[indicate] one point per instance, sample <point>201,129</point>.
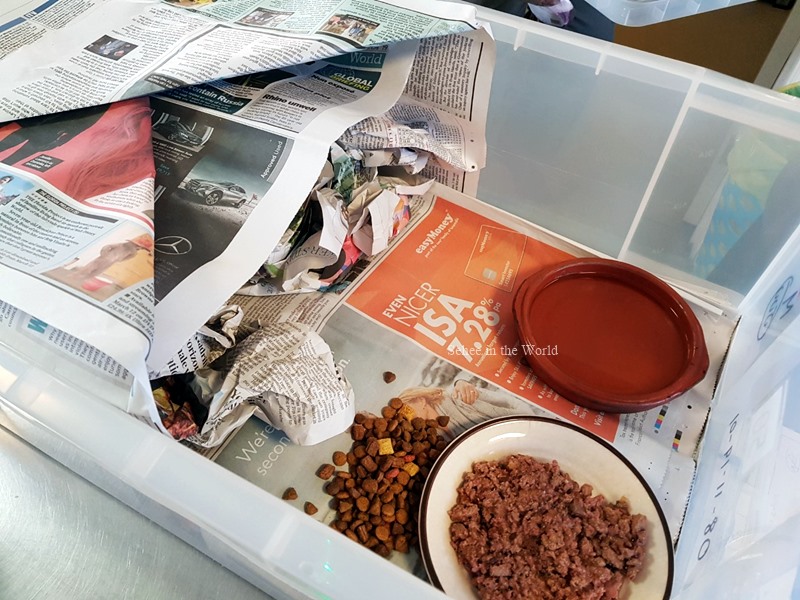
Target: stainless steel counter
<point>62,538</point>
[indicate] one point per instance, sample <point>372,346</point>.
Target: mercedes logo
<point>173,245</point>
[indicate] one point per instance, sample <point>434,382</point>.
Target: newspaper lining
<point>401,314</point>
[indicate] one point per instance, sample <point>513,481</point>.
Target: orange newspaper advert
<point>449,285</point>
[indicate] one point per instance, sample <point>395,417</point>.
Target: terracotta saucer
<point>608,335</point>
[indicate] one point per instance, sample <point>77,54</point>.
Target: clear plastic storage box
<point>636,13</point>
<point>687,173</point>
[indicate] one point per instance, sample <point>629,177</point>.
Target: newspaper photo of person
<point>349,27</point>
<point>262,17</point>
<point>109,47</point>
<point>33,136</point>
<point>116,262</point>
<point>12,187</point>
<point>467,400</point>
<point>190,3</point>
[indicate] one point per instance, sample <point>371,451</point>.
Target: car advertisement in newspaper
<point>216,171</point>
<point>434,313</point>
<point>211,174</point>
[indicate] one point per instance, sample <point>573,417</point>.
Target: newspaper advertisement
<point>434,311</point>
<point>107,51</point>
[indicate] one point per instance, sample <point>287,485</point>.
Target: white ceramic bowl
<point>583,456</point>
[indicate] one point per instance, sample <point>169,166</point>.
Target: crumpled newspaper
<point>283,373</point>
<point>220,333</point>
<point>356,216</point>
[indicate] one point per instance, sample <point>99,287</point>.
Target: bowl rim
<point>695,358</point>
<point>460,439</point>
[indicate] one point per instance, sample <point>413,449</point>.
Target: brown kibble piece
<point>372,448</point>
<point>339,458</point>
<point>310,508</point>
<point>382,532</point>
<point>396,403</point>
<point>389,377</point>
<point>326,471</point>
<point>388,413</point>
<point>290,494</point>
<point>369,464</point>
<point>443,421</point>
<point>357,432</point>
<point>362,504</point>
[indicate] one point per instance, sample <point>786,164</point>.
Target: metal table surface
<point>63,538</point>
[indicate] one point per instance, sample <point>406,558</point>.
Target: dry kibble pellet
<point>385,446</point>
<point>339,458</point>
<point>411,468</point>
<point>290,494</point>
<point>389,377</point>
<point>326,471</point>
<point>310,509</point>
<point>406,412</point>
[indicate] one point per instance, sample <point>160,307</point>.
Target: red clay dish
<point>608,335</point>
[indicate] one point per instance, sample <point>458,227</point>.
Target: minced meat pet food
<point>524,529</point>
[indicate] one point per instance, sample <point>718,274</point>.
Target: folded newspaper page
<point>434,311</point>
<point>234,161</point>
<point>226,195</point>
<point>185,300</point>
<point>104,51</point>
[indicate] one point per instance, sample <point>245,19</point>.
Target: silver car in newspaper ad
<point>175,131</point>
<point>214,192</point>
